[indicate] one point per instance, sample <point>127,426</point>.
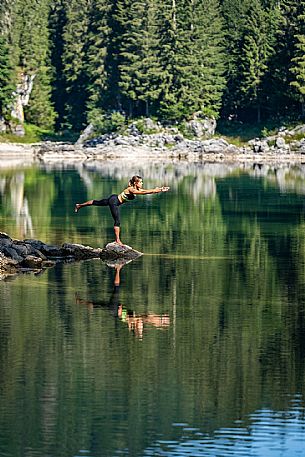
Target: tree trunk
<point>130,108</point>
<point>174,14</point>
<point>258,113</point>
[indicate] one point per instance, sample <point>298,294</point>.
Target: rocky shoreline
<point>18,256</point>
<point>164,145</point>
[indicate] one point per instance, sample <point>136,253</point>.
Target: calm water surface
<point>201,349</point>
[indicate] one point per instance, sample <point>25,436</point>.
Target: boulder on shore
<point>17,256</point>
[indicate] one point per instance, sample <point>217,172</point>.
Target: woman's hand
<point>161,189</point>
<point>157,190</point>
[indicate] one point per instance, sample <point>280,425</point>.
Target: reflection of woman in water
<point>135,187</point>
<point>134,321</point>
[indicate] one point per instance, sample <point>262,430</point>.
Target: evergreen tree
<point>298,61</point>
<point>139,66</point>
<point>30,43</point>
<point>210,55</point>
<point>57,23</point>
<point>6,8</point>
<point>40,110</point>
<point>193,58</point>
<point>180,60</point>
<point>7,73</point>
<point>6,78</point>
<point>170,105</point>
<point>112,96</point>
<point>282,98</point>
<point>98,49</point>
<point>235,15</point>
<point>255,53</point>
<point>74,62</point>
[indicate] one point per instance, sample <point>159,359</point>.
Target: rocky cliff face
<point>22,95</point>
<point>21,99</point>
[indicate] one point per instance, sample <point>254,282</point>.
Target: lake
<point>197,348</point>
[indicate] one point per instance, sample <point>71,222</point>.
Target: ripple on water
<point>270,433</point>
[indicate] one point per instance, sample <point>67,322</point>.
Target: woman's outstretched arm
<point>156,190</point>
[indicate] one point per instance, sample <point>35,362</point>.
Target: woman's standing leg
<point>115,212</point>
<point>117,235</point>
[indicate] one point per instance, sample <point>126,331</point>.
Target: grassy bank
<point>34,134</point>
<point>240,133</point>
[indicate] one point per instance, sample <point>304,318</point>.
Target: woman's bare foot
<point>119,242</point>
<point>77,207</point>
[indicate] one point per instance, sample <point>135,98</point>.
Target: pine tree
<point>210,56</point>
<point>40,110</point>
<point>6,20</point>
<point>138,63</point>
<point>193,58</point>
<point>74,61</point>
<point>298,61</point>
<point>57,23</point>
<point>255,53</point>
<point>97,53</point>
<point>235,15</point>
<point>281,97</point>
<point>170,105</point>
<point>181,61</point>
<point>6,78</point>
<point>7,74</point>
<point>30,50</point>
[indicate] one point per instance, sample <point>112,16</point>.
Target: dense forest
<point>233,59</point>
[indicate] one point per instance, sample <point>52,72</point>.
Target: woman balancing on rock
<point>135,187</point>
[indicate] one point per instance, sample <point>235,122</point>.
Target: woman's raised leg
<point>103,202</point>
<point>78,206</point>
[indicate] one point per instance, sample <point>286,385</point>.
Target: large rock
<point>86,135</point>
<point>2,125</point>
<point>49,150</point>
<point>298,130</point>
<point>80,252</point>
<point>151,125</point>
<point>259,145</point>
<point>11,253</point>
<point>280,143</point>
<point>116,251</point>
<point>32,262</point>
<point>47,250</point>
<point>7,265</point>
<point>18,130</point>
<point>5,239</point>
<point>201,125</point>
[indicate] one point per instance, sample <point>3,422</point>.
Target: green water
<point>201,349</point>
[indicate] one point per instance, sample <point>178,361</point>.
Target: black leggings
<point>113,202</point>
